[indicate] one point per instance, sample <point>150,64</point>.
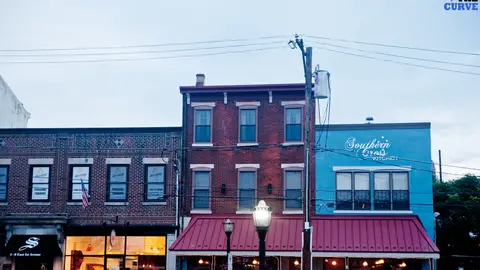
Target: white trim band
<point>247,144</point>
<point>5,161</point>
<point>247,103</point>
<point>371,168</point>
<point>40,161</point>
<point>205,104</point>
<point>247,166</point>
<point>118,160</point>
<point>202,166</point>
<point>293,102</point>
<point>372,212</point>
<point>155,160</point>
<point>80,161</point>
<point>237,253</point>
<point>201,211</point>
<point>292,165</point>
<point>202,144</point>
<point>377,255</point>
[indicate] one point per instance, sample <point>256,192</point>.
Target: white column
<point>171,258</point>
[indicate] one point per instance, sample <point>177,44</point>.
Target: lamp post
<point>262,215</point>
<point>228,227</point>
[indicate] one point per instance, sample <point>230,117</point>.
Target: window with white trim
<point>391,191</point>
<point>293,190</point>
<point>293,124</point>
<point>203,125</point>
<point>246,192</point>
<point>201,190</point>
<point>80,176</point>
<point>154,182</point>
<point>117,183</point>
<point>353,191</point>
<point>3,183</point>
<point>248,125</point>
<point>40,183</point>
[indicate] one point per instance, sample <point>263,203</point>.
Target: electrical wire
<point>142,46</point>
<point>399,62</point>
<point>398,56</point>
<point>395,46</point>
<point>140,59</point>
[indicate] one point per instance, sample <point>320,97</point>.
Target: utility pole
<point>440,165</point>
<point>307,66</point>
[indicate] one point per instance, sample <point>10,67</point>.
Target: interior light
<point>334,263</point>
<point>200,261</point>
<point>254,261</point>
<point>403,264</point>
<point>381,261</point>
<point>296,262</point>
<point>326,260</point>
<point>365,264</point>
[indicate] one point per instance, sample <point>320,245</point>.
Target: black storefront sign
<point>33,246</point>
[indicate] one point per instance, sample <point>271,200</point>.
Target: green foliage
<point>458,203</point>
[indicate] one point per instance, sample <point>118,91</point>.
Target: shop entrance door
<point>114,263</point>
<point>33,263</point>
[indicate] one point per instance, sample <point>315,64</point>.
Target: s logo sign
<point>30,243</point>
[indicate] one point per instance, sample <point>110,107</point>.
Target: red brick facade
<point>20,145</point>
<point>270,154</point>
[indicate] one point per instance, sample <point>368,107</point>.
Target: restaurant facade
<point>88,198</point>
<point>374,196</point>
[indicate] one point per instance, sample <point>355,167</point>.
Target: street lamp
<point>262,215</point>
<point>228,227</point>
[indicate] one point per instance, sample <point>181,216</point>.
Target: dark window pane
<point>118,192</point>
<point>3,175</point>
<point>382,200</point>
<point>293,132</point>
<point>202,133</point>
<point>247,199</point>
<point>3,192</point>
<point>248,133</point>
<point>362,200</point>
<point>344,200</point>
<point>294,199</point>
<point>401,200</point>
<point>201,198</point>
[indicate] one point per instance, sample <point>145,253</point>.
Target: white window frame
<point>297,167</point>
<point>293,105</point>
<point>201,168</point>
<point>202,106</point>
<point>246,168</point>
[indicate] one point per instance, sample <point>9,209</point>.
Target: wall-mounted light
<point>200,261</point>
<point>365,263</point>
<point>269,188</point>
<point>296,263</point>
<point>334,263</point>
<point>224,189</point>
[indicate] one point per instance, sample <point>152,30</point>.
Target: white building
<point>12,112</point>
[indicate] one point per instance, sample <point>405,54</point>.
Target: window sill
<point>244,212</point>
<point>202,144</point>
<point>292,143</point>
<point>404,212</point>
<point>292,212</point>
<point>201,211</point>
<point>116,203</point>
<point>77,203</point>
<point>154,203</point>
<point>247,144</point>
<point>3,203</point>
<point>38,203</point>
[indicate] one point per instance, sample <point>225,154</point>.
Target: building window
<point>203,125</point>
<point>80,176</point>
<point>391,191</point>
<point>3,182</point>
<point>40,183</point>
<point>353,191</point>
<point>246,190</point>
<point>248,125</point>
<point>117,183</point>
<point>293,124</point>
<point>293,189</point>
<point>201,190</point>
<point>155,182</point>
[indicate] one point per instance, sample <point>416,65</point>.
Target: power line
<point>401,63</point>
<point>140,52</point>
<point>140,59</point>
<point>142,46</point>
<point>395,46</point>
<point>399,56</point>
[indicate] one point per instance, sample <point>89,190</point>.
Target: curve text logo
<point>461,5</point>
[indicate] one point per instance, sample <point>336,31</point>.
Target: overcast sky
<point>145,93</point>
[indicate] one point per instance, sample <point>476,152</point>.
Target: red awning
<point>205,233</point>
<point>333,235</point>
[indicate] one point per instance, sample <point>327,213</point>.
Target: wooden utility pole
<point>440,165</point>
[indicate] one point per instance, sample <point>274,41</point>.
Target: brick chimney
<point>200,80</point>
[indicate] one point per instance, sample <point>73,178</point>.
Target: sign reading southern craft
<point>375,149</point>
<point>32,246</point>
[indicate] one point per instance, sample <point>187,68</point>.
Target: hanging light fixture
<point>365,263</point>
<point>403,265</point>
<point>200,261</point>
<point>334,263</point>
<point>254,262</point>
<point>296,263</point>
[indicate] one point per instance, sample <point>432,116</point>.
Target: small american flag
<point>84,196</point>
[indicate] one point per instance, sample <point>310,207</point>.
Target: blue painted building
<point>379,171</point>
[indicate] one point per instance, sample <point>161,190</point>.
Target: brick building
<point>242,143</point>
<point>131,214</point>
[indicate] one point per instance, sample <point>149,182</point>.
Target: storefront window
<point>87,245</point>
<point>146,245</point>
<point>116,245</point>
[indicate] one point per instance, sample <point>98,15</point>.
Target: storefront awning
<point>205,235</point>
<point>368,236</point>
<point>32,246</point>
<point>333,236</point>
